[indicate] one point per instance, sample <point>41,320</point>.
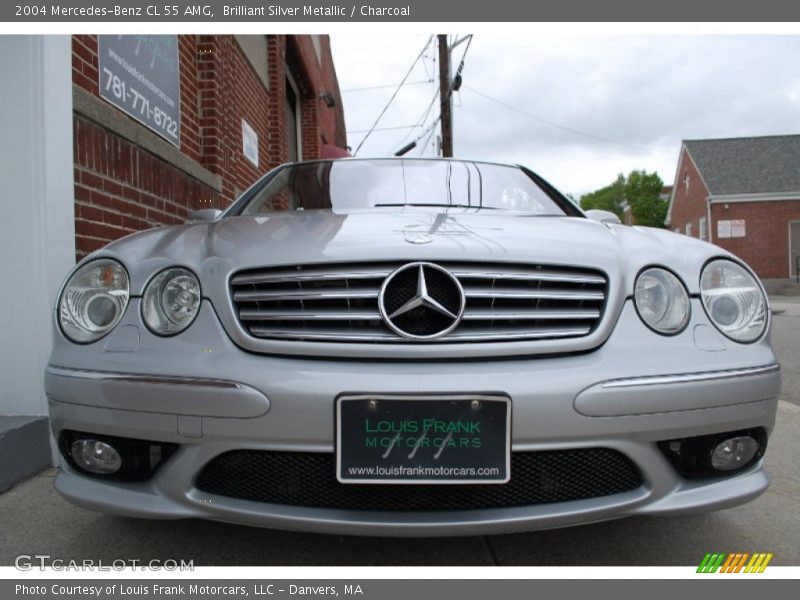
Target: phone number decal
<point>139,105</point>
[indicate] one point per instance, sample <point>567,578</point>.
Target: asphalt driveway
<point>35,520</point>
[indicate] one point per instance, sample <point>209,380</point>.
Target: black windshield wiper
<point>442,205</point>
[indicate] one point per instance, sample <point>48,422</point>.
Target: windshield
<point>359,184</point>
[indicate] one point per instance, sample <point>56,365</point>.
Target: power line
<point>429,131</point>
<point>384,86</point>
<point>428,74</point>
<point>553,123</point>
<point>428,128</point>
<point>394,95</point>
<point>460,65</point>
<point>423,147</point>
<point>411,145</point>
<point>424,117</point>
<point>386,128</point>
<point>430,106</point>
<point>421,121</point>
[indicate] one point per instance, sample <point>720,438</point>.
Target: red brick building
<point>742,194</point>
<point>279,92</point>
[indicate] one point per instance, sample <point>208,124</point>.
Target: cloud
<point>641,95</point>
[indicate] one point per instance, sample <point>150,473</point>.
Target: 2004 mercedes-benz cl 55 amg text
<point>410,347</point>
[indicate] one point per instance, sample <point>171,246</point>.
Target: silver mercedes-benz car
<point>410,347</point>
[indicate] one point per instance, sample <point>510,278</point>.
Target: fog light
<point>716,454</point>
<point>733,453</point>
<point>96,456</point>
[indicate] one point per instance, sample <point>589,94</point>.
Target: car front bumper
<point>202,392</point>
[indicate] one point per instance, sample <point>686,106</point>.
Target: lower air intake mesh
<point>309,479</point>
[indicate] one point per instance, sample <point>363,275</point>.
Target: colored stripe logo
<point>737,562</point>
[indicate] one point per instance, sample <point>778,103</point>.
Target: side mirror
<point>206,214</point>
<point>603,216</point>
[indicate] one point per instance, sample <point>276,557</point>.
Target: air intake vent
<point>339,302</point>
<point>309,479</point>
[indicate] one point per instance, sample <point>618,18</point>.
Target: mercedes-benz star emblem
<point>421,301</point>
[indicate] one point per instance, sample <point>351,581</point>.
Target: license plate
<point>431,439</point>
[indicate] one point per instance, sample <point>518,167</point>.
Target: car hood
<point>217,249</point>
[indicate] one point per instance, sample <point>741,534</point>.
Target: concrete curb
<point>24,449</point>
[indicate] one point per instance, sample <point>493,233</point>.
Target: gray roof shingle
<point>755,165</point>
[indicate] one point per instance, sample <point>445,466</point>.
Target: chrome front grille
<point>339,302</point>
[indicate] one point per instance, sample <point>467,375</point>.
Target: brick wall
<point>319,123</point>
<point>276,59</point>
<point>84,62</point>
<point>231,91</point>
<point>765,246</point>
<point>121,187</point>
<point>688,204</point>
<point>191,110</point>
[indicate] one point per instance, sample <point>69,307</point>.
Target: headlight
<point>171,301</point>
<point>93,300</point>
<point>662,301</point>
<point>733,300</point>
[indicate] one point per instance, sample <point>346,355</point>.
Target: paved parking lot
<point>35,520</point>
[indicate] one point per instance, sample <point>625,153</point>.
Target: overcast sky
<point>633,99</point>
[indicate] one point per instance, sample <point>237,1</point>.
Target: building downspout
<point>708,222</point>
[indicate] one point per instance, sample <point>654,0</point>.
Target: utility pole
<point>444,97</point>
<point>448,85</point>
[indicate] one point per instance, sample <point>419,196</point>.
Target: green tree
<point>640,190</point>
<point>643,191</point>
<point>610,197</point>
